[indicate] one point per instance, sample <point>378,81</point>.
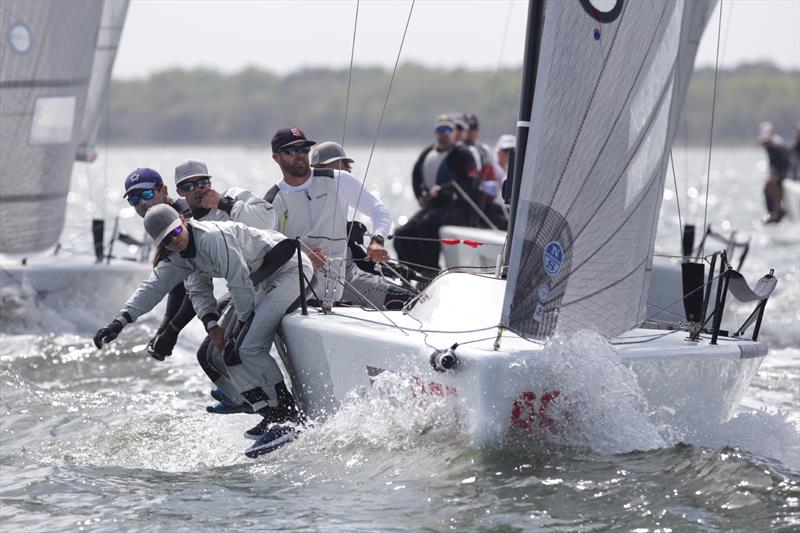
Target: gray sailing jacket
<point>240,205</point>
<point>228,250</point>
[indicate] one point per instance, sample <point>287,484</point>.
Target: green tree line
<point>205,106</point>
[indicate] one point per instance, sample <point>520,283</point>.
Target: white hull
<point>520,385</point>
<point>72,283</point>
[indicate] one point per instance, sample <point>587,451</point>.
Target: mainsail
<point>611,78</point>
<point>46,57</point>
<point>105,52</point>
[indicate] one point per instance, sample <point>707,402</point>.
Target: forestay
<point>105,52</point>
<point>611,78</point>
<point>46,60</point>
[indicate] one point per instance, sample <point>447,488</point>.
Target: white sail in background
<point>611,78</point>
<point>45,65</point>
<point>111,23</point>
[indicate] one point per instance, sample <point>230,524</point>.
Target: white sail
<point>45,64</point>
<point>105,52</point>
<point>611,78</point>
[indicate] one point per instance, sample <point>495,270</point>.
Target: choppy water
<point>112,440</point>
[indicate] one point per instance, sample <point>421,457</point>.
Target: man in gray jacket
<point>196,252</point>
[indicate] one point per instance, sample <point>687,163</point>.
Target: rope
<point>383,110</point>
<point>350,75</point>
<point>473,205</point>
<point>677,198</point>
<point>711,133</point>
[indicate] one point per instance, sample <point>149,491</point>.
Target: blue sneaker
<point>226,406</point>
<point>272,439</point>
<point>229,408</point>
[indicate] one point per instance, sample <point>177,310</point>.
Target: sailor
<point>194,183</point>
<point>196,252</point>
<point>779,161</point>
<point>312,204</point>
<point>438,167</point>
<point>490,182</point>
<point>145,188</point>
<point>363,285</point>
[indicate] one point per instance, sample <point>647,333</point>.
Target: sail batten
<point>603,119</point>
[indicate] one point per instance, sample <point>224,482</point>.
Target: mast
<point>530,65</point>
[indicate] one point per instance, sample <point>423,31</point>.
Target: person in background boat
<point>194,183</point>
<point>502,153</point>
<point>486,170</point>
<point>439,166</point>
<point>778,156</point>
<point>312,204</point>
<point>196,252</point>
<point>362,286</point>
<point>144,188</point>
<point>796,153</point>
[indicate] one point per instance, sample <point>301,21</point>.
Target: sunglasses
<point>145,195</point>
<point>171,235</point>
<point>292,150</point>
<point>187,186</point>
<point>443,130</point>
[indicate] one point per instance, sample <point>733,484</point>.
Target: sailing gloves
<point>108,333</point>
<point>162,344</point>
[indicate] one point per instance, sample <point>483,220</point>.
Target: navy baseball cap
<point>289,137</point>
<point>142,178</point>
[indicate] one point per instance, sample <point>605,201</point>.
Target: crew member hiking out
<point>312,204</point>
<point>196,252</point>
<point>145,188</point>
<point>194,183</point>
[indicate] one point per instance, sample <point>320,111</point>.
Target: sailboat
<point>56,67</point>
<point>604,83</point>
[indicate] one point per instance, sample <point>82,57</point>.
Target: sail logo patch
<point>553,258</point>
<point>543,291</point>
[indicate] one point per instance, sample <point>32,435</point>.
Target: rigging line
<point>383,110</point>
<point>344,125</point>
<point>711,132</point>
<point>677,197</point>
<point>473,205</point>
<point>350,75</point>
<point>493,95</point>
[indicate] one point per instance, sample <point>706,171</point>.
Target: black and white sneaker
<point>272,439</point>
<point>255,432</point>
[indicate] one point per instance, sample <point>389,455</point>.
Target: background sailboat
<point>56,65</point>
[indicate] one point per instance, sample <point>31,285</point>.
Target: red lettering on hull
<point>524,411</point>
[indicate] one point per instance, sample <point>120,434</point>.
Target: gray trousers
<point>254,367</point>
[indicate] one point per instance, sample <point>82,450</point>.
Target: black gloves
<point>161,345</point>
<point>108,333</point>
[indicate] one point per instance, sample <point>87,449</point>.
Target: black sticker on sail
<point>543,272</point>
<point>604,11</point>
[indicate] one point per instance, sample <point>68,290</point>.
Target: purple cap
<point>289,137</point>
<point>142,178</point>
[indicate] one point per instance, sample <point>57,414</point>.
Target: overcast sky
<point>283,36</point>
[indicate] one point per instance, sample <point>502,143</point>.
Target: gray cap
<point>191,168</point>
<point>160,220</point>
<point>328,152</point>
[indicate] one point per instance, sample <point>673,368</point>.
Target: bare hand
<point>318,258</point>
<point>377,253</point>
<point>210,199</point>
<point>217,338</point>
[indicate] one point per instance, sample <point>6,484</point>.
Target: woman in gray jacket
<point>199,251</point>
